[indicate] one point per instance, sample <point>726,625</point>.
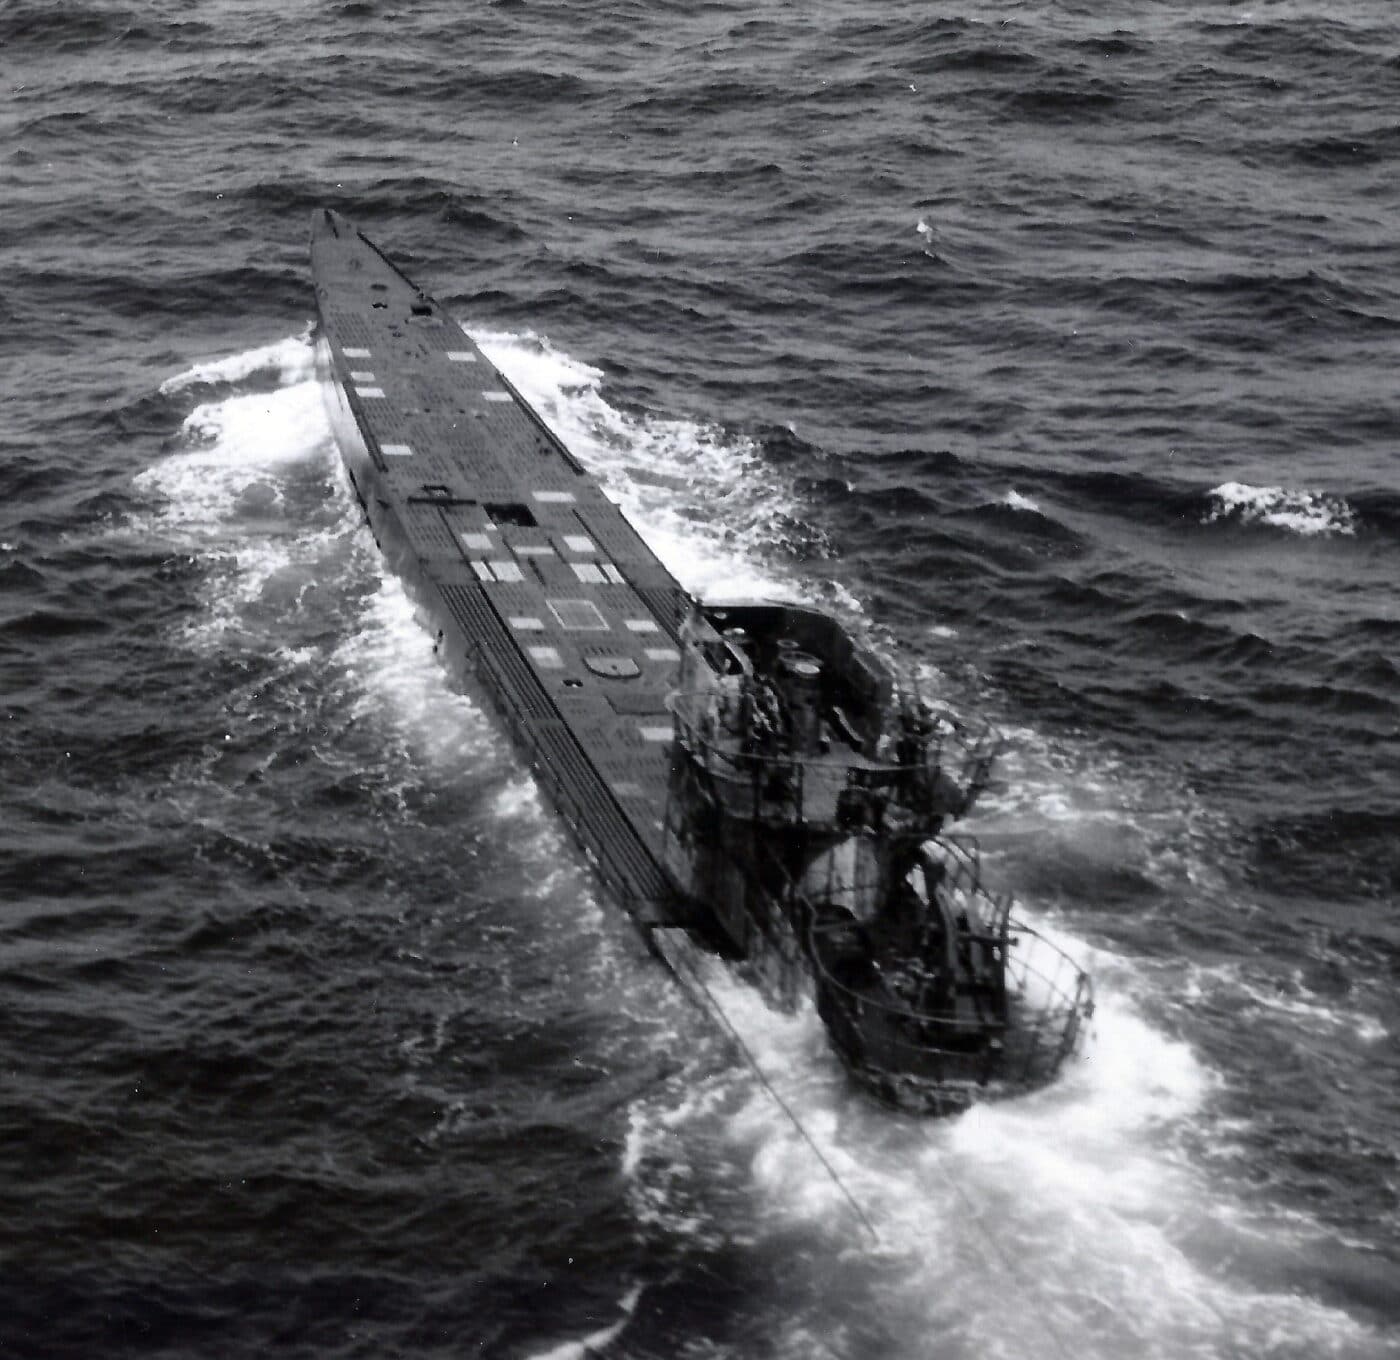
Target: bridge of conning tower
<point>532,576</point>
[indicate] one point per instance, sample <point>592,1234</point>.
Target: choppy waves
<point>1051,351</point>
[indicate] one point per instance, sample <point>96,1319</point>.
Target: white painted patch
<point>496,396</point>
<point>656,733</point>
<point>554,497</point>
<point>461,356</point>
<point>483,572</point>
<point>478,542</point>
<point>527,623</point>
<point>396,450</point>
<point>546,658</point>
<point>507,570</point>
<point>351,353</point>
<point>533,550</point>
<point>368,392</point>
<point>642,626</point>
<point>362,376</point>
<point>588,572</point>
<point>579,543</point>
<point>662,654</point>
<point>612,573</point>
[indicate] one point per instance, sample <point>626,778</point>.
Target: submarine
<point>745,776</point>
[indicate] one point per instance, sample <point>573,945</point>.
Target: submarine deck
<point>534,579</point>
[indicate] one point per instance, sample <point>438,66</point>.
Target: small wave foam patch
<point>1309,513</point>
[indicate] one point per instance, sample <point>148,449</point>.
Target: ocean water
<point>1055,350</point>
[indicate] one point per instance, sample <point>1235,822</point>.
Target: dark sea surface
<point>1057,352</point>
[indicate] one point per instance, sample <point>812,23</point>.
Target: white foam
<point>1286,999</point>
<point>287,362</point>
<point>703,499</point>
<point>1309,513</point>
<point>1017,501</point>
<point>389,668</point>
<point>231,447</point>
<point>1072,1210</point>
<point>586,1347</point>
<point>244,489</point>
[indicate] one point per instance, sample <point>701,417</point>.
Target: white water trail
<point>1075,1218</point>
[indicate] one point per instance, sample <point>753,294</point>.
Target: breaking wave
<point>1309,513</point>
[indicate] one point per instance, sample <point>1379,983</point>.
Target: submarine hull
<point>535,583</point>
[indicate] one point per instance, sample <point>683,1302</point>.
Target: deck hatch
<point>511,512</point>
<point>578,616</point>
<point>612,666</point>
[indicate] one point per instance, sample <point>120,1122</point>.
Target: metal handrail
<point>963,758</point>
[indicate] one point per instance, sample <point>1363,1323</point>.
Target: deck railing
<point>771,781</point>
<point>1032,1007</point>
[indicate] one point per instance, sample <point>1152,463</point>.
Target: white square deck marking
<point>642,626</point>
<point>579,543</point>
<point>478,542</point>
<point>547,658</point>
<point>368,392</point>
<point>555,497</point>
<point>396,450</point>
<point>613,575</point>
<point>662,654</point>
<point>588,572</point>
<point>363,376</point>
<point>497,396</point>
<point>526,623</point>
<point>483,572</point>
<point>507,571</point>
<point>351,352</point>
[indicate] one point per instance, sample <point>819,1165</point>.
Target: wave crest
<point>1310,513</point>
